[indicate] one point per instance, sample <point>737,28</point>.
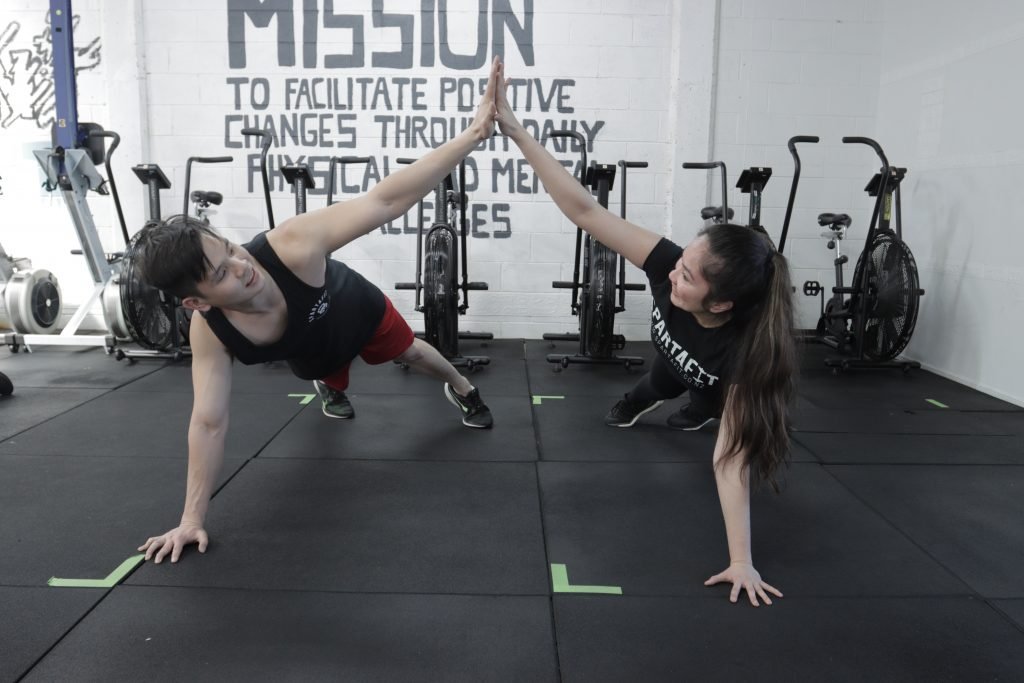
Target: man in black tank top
<point>281,297</point>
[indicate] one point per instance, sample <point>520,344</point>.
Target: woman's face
<point>689,288</point>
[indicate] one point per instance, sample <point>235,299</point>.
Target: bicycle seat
<point>206,198</point>
<point>834,219</point>
<point>714,212</point>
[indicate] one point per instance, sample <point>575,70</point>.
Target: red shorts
<point>392,338</point>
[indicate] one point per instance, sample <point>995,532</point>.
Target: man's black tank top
<point>327,326</point>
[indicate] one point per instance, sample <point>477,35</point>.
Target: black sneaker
<point>625,413</point>
<point>335,402</point>
<point>474,413</point>
<point>688,419</point>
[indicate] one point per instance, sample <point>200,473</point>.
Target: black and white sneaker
<point>689,420</point>
<point>335,402</point>
<point>474,412</point>
<point>625,413</point>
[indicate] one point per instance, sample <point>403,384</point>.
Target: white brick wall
<point>33,223</point>
<point>790,67</point>
<point>672,81</point>
<point>771,84</point>
<point>948,101</point>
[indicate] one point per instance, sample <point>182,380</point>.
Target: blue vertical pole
<point>66,126</point>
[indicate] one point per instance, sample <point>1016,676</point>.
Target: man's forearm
<point>400,191</point>
<point>205,457</point>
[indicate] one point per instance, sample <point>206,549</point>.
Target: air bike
<point>870,321</point>
<point>752,181</point>
<point>442,264</point>
<point>152,318</point>
<point>603,275</point>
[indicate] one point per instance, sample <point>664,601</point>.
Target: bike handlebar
<point>268,139</point>
<point>110,176</point>
<point>791,144</point>
<point>107,134</point>
<point>578,137</point>
<point>725,181</point>
<point>330,175</point>
<point>801,138</point>
<point>210,160</point>
<point>188,175</point>
<point>877,213</point>
<point>575,134</point>
<point>405,160</point>
<point>870,143</point>
<point>633,164</point>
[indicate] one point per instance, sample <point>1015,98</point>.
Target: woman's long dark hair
<point>745,268</point>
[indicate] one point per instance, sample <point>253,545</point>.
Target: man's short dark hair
<point>170,254</point>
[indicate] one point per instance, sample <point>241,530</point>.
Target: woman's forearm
<point>734,496</point>
<point>571,197</point>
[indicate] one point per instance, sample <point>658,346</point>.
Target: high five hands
<point>483,122</point>
<point>508,124</point>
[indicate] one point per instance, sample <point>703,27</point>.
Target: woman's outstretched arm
<point>732,477</point>
<point>631,241</point>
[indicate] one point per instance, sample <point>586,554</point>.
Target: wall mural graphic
<point>331,111</point>
<point>26,72</point>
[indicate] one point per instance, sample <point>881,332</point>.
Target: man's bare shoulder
<point>203,342</point>
<point>296,246</point>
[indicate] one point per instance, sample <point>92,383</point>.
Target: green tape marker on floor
<point>560,583</point>
<point>112,580</point>
<point>936,403</point>
<point>537,399</point>
<point>306,398</point>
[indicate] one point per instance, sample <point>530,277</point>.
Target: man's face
<point>232,280</point>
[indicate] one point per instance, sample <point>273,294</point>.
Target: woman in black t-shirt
<point>722,324</point>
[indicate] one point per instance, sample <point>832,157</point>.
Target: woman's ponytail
<point>747,270</point>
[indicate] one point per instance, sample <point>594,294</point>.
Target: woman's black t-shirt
<point>327,326</point>
<point>700,357</point>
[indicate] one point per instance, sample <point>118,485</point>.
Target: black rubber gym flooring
<point>402,546</point>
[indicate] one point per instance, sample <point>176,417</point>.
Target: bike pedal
<point>812,288</point>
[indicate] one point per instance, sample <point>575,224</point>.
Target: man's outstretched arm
<point>211,383</point>
<point>333,227</point>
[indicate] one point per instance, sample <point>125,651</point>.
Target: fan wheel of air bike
<point>894,296</point>
<point>440,296</point>
<point>148,315</point>
<point>33,301</point>
<point>599,311</point>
